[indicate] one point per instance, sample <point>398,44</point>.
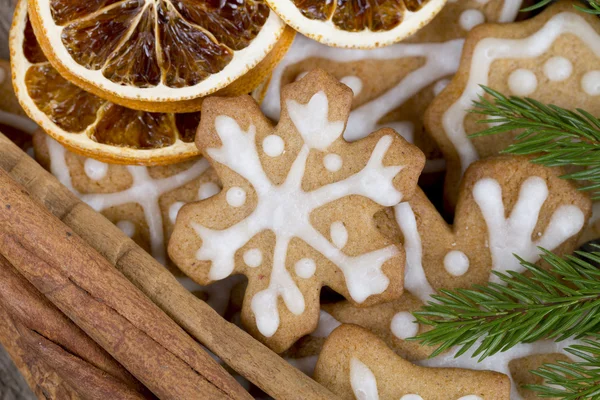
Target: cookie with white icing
<point>552,58</point>
<point>297,207</point>
<point>142,201</point>
<point>392,86</point>
<point>356,364</point>
<point>506,206</point>
<point>13,121</point>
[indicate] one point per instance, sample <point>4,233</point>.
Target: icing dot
<point>305,268</point>
<point>469,19</point>
<point>95,169</point>
<point>456,263</point>
<point>174,210</point>
<point>207,190</point>
<point>354,83</point>
<point>558,69</point>
<point>411,397</point>
<point>2,75</point>
<point>253,257</point>
<point>591,83</point>
<point>403,325</point>
<point>522,82</point>
<point>339,234</point>
<point>440,86</point>
<point>332,162</point>
<point>236,196</point>
<point>273,146</point>
<point>127,227</point>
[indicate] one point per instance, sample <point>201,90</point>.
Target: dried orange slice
<point>357,23</point>
<point>155,55</point>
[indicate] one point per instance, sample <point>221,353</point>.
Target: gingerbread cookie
<point>142,201</point>
<point>506,206</point>
<point>551,58</point>
<point>13,121</point>
<point>355,363</point>
<point>392,86</point>
<point>297,207</point>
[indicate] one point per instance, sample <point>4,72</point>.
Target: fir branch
<point>558,137</point>
<point>593,6</point>
<point>557,304</point>
<point>572,380</point>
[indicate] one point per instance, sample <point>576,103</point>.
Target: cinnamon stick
<point>44,381</point>
<point>40,317</point>
<point>102,302</point>
<point>239,350</point>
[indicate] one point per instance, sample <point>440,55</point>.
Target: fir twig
<point>593,6</point>
<point>572,380</point>
<point>558,137</point>
<point>557,304</point>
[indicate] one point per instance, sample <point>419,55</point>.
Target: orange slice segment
<point>86,123</point>
<point>357,23</point>
<point>155,55</point>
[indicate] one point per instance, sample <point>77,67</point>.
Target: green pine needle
<point>593,6</point>
<point>556,136</point>
<point>572,380</point>
<point>559,303</point>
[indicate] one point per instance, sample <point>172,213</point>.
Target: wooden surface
<point>12,384</point>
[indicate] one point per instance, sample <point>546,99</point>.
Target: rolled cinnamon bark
<point>104,304</point>
<point>35,313</point>
<point>44,381</point>
<point>239,350</point>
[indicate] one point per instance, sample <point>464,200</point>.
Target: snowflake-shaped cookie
<point>297,207</point>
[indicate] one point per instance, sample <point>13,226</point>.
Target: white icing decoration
<point>469,19</point>
<point>305,268</point>
<point>332,162</point>
<point>219,293</point>
<point>253,258</point>
<point>456,263</point>
<point>327,324</point>
<point>174,210</point>
<point>312,121</point>
<point>558,69</point>
<point>94,169</point>
<point>490,49</point>
<point>300,75</point>
<point>285,210</point>
<point>404,325</point>
<point>273,146</point>
<point>415,279</point>
<point>362,380</point>
<point>497,362</point>
<point>208,190</point>
<point>127,227</point>
<point>440,86</point>
<point>522,82</point>
<point>236,196</point>
<point>411,397</point>
<point>442,60</point>
<point>354,83</point>
<point>512,235</point>
<point>339,234</point>
<point>144,191</point>
<point>591,83</point>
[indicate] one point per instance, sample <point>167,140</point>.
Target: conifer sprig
<point>557,304</point>
<point>592,8</point>
<point>556,136</point>
<point>570,380</point>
